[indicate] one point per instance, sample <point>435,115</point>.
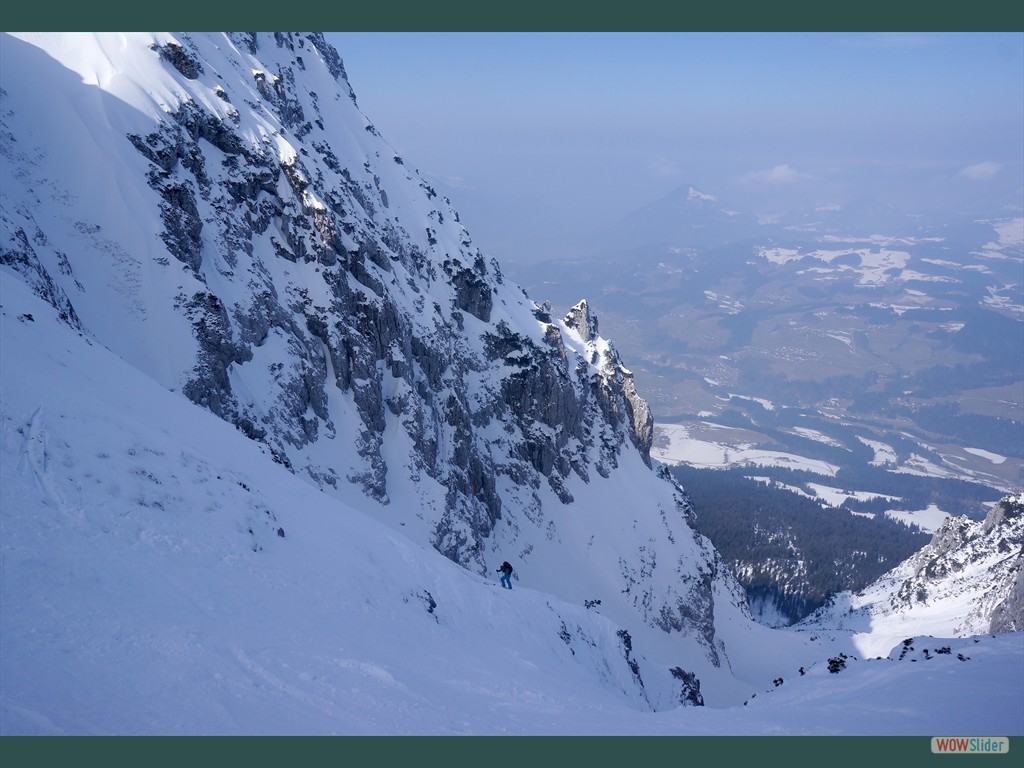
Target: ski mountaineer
<point>506,574</point>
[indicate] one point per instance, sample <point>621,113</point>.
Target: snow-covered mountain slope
<point>158,562</point>
<point>216,211</point>
<point>968,581</point>
<point>271,420</point>
<point>162,575</point>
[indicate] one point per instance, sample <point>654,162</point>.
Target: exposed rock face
<point>1006,521</point>
<point>326,301</point>
<point>1008,616</point>
<point>964,552</point>
<point>614,389</point>
<point>970,569</point>
<point>19,254</point>
<point>689,694</point>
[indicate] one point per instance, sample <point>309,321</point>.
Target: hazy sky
<point>540,138</point>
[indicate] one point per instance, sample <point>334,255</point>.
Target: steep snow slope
<point>156,561</point>
<point>212,222</point>
<point>162,575</point>
<point>215,210</point>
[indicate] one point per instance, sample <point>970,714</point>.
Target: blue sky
<point>540,138</point>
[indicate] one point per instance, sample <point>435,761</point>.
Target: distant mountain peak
<point>695,194</point>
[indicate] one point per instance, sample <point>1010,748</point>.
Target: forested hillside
<point>788,549</point>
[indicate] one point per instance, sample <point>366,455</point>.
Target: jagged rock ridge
<point>965,553</point>
<point>967,580</point>
<point>235,227</point>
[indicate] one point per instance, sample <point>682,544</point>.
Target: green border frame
<point>536,751</point>
<point>466,16</point>
<point>524,16</point>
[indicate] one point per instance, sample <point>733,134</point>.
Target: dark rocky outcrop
<point>338,313</point>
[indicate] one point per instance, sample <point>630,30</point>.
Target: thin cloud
<point>980,171</point>
<point>780,174</point>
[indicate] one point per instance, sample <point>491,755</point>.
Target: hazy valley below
<point>851,360</point>
<point>817,343</point>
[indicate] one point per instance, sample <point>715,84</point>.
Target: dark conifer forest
<point>790,549</point>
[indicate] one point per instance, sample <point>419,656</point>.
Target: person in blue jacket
<point>506,574</point>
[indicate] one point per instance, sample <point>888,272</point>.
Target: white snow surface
<point>928,520</point>
<point>146,590</point>
<point>676,446</point>
<point>161,574</point>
